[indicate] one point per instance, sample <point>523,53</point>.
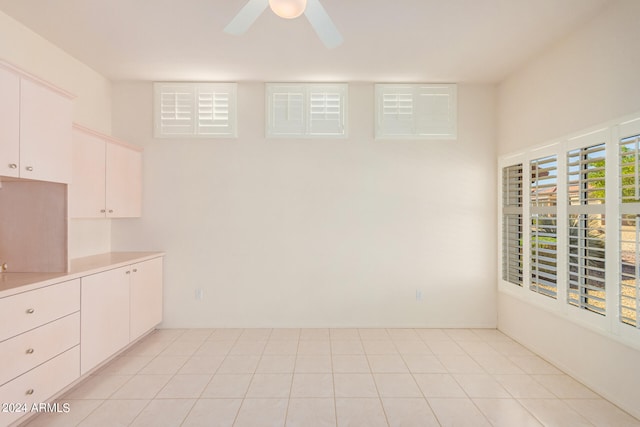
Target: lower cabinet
<point>51,336</point>
<point>146,297</point>
<point>117,307</point>
<point>38,385</point>
<point>104,322</point>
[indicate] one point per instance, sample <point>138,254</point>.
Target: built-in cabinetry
<point>118,307</point>
<point>107,177</point>
<point>57,331</point>
<point>35,128</point>
<point>105,316</point>
<point>39,345</point>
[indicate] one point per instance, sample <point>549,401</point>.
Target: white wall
<point>587,79</point>
<point>318,232</point>
<point>92,107</point>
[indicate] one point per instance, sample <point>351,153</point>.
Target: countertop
<point>13,283</point>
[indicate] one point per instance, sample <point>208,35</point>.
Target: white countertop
<point>13,283</point>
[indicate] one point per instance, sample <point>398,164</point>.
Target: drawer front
<point>39,384</point>
<point>26,351</point>
<point>28,310</point>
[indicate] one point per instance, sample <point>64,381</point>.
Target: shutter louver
<point>195,110</point>
<point>544,229</point>
<point>586,207</point>
<point>512,268</point>
<point>630,231</point>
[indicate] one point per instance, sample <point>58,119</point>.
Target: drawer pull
<point>29,392</point>
<point>135,270</point>
<point>30,311</point>
<point>30,351</point>
<point>29,168</point>
<point>13,166</point>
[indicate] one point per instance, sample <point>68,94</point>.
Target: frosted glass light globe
<point>288,9</point>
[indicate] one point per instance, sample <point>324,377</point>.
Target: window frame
<point>416,126</point>
<point>193,98</point>
<point>304,129</point>
<point>609,325</point>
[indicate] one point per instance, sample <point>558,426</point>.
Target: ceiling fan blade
<point>246,17</point>
<point>322,24</point>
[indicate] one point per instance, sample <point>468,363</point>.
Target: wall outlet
<point>418,295</point>
<point>199,294</point>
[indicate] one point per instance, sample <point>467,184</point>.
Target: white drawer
<point>39,384</point>
<point>28,310</point>
<point>26,351</point>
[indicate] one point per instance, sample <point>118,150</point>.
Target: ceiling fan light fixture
<point>288,9</point>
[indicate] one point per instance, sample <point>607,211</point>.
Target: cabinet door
<point>9,123</point>
<point>104,316</point>
<point>124,182</point>
<point>87,190</point>
<point>146,296</point>
<point>45,134</point>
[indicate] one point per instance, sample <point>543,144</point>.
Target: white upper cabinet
<point>107,177</point>
<point>9,123</point>
<point>86,192</point>
<point>124,182</point>
<point>35,129</point>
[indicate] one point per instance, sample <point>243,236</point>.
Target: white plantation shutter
<point>174,110</point>
<point>586,208</point>
<point>306,110</point>
<point>326,112</point>
<point>287,113</point>
<point>416,111</point>
<point>630,230</point>
<point>544,227</point>
<point>512,267</point>
<point>205,110</point>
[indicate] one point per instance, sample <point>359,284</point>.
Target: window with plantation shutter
<point>629,148</point>
<point>543,221</point>
<point>306,110</point>
<point>191,110</point>
<point>512,268</point>
<point>416,111</point>
<point>586,209</point>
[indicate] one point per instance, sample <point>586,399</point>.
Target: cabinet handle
<point>29,168</point>
<point>110,210</point>
<point>29,392</point>
<point>30,311</point>
<point>13,166</point>
<point>135,270</point>
<point>128,272</point>
<point>102,210</point>
<point>30,351</point>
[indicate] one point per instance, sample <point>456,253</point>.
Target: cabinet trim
<point>26,75</point>
<point>108,138</point>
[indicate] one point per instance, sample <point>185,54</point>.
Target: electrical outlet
<point>418,295</point>
<point>199,294</point>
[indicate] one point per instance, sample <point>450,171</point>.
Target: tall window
<point>586,208</point>
<point>512,269</point>
<point>544,228</point>
<point>630,231</point>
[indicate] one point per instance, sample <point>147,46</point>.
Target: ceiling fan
<point>289,9</point>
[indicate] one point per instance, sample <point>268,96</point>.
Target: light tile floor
<point>332,377</point>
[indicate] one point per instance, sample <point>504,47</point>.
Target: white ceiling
<point>385,40</point>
